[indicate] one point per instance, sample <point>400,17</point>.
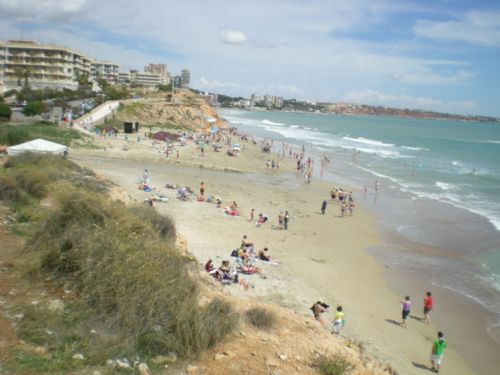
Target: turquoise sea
<point>439,181</point>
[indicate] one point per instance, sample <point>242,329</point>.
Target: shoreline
<point>306,255</point>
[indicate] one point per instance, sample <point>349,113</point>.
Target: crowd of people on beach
<point>245,260</point>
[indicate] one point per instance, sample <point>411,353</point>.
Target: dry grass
<point>336,364</point>
<point>261,318</point>
<point>121,261</point>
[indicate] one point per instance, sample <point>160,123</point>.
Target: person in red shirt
<point>427,307</point>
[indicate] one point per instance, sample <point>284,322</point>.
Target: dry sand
<point>321,256</point>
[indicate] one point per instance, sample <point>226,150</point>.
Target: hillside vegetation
<point>128,291</point>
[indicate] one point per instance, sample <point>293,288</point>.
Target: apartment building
<point>185,78</point>
<point>160,69</point>
<point>106,70</point>
<point>41,66</point>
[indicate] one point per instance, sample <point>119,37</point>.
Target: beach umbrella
<point>214,129</point>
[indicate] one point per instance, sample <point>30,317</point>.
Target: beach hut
<point>39,146</point>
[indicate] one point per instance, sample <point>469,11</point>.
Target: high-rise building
<point>160,69</point>
<point>185,78</point>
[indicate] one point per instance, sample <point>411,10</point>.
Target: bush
<point>163,225</point>
<point>338,364</point>
<point>34,108</point>
<point>125,268</point>
<point>261,318</point>
<point>8,189</point>
<point>5,112</point>
<point>32,181</point>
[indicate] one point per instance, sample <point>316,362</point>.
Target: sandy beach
<point>321,256</point>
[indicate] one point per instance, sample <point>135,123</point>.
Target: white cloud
<point>233,37</point>
<point>374,97</point>
<point>214,85</point>
<point>478,27</point>
<point>428,77</point>
<point>41,10</point>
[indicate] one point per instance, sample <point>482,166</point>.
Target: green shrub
<point>337,364</point>
<point>8,189</point>
<point>5,112</point>
<point>34,182</point>
<point>128,271</point>
<point>261,318</point>
<point>34,108</point>
<point>16,136</point>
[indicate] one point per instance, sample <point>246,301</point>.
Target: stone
<point>143,369</point>
<point>171,357</point>
<point>40,350</point>
<point>243,334</point>
<point>219,357</point>
<point>283,357</point>
<point>190,369</point>
<point>110,362</point>
<point>122,363</point>
<point>159,359</point>
<point>78,356</point>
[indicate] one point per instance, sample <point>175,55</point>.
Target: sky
<point>441,55</point>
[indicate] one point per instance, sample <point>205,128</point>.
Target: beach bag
<point>234,253</point>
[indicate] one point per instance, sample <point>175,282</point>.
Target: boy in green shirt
<point>437,352</point>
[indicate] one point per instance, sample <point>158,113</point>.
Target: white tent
<point>39,146</point>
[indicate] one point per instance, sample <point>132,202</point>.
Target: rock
<point>143,369</point>
<point>229,354</point>
<point>243,334</point>
<point>78,356</point>
<point>122,363</point>
<point>271,363</point>
<point>190,369</point>
<point>219,357</point>
<point>159,359</point>
<point>110,362</point>
<point>18,316</point>
<point>171,357</point>
<point>40,350</point>
<point>283,357</point>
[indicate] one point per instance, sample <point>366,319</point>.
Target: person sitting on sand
<point>209,267</point>
<point>317,309</point>
<point>261,221</point>
<point>265,257</point>
<point>234,206</point>
<point>245,244</point>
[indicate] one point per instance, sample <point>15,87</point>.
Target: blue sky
<point>438,55</point>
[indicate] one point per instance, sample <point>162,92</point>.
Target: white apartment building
<point>106,70</point>
<point>41,66</point>
<point>141,79</point>
<point>160,69</point>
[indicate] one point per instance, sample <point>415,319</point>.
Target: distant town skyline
<point>432,55</point>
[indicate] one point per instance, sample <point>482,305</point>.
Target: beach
<point>321,256</point>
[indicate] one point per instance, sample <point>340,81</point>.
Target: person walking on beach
<point>338,320</point>
<point>406,310</point>
<point>202,189</point>
<point>323,207</point>
<point>428,304</point>
<point>252,214</point>
<point>437,352</point>
<point>285,220</point>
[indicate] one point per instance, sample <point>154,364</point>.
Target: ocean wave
<point>415,148</point>
<point>269,122</point>
<point>294,126</point>
<point>445,186</point>
<point>495,142</point>
<point>368,141</point>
